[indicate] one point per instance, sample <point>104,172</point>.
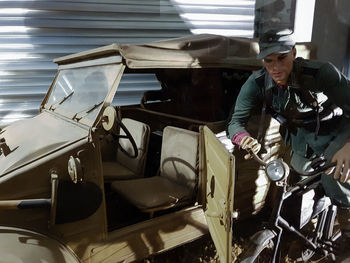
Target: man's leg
<point>340,194</point>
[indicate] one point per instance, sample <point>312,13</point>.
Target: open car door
<point>218,207</point>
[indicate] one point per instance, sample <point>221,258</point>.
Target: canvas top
<point>194,51</point>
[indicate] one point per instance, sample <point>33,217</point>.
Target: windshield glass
<point>79,92</point>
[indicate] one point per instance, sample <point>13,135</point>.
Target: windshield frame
<point>91,122</point>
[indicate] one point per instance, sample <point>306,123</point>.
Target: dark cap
<point>273,42</point>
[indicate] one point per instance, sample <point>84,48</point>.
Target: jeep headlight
<point>75,170</point>
<point>276,170</point>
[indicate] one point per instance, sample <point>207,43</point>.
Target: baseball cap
<point>273,42</point>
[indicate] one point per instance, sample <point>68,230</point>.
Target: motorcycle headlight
<point>276,170</point>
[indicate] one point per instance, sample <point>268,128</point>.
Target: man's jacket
<point>321,81</point>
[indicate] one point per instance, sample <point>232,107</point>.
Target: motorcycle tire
<point>260,249</point>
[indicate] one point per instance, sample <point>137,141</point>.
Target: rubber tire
<point>258,243</point>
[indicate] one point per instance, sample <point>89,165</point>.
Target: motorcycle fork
<point>275,218</point>
<point>279,224</point>
<point>329,224</point>
<point>324,234</point>
<point>328,236</point>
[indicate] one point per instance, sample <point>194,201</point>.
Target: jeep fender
<point>22,245</point>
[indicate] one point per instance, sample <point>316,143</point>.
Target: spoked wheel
<point>324,224</point>
<point>306,255</point>
<point>261,248</point>
<point>299,253</point>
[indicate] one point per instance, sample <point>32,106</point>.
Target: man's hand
<point>250,144</point>
<point>342,158</point>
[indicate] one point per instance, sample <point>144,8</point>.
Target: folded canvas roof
<point>194,51</point>
<point>186,52</point>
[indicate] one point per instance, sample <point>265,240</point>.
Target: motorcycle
<point>302,211</point>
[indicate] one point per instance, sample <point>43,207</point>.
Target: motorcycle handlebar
<point>319,170</point>
<point>311,176</point>
<point>257,158</point>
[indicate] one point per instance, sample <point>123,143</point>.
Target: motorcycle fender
<point>263,236</point>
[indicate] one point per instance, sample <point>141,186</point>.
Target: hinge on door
<point>230,219</point>
<point>235,215</point>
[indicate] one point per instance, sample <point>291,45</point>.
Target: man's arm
<point>335,85</point>
<point>342,158</point>
<point>337,88</point>
<point>249,97</point>
<point>247,100</point>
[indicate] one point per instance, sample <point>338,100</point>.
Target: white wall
<point>33,32</point>
<point>331,31</point>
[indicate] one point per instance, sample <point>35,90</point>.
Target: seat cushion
<point>153,192</point>
<point>179,156</point>
<point>116,171</point>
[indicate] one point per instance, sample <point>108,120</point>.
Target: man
<point>312,101</point>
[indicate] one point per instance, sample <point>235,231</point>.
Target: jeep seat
<point>125,167</point>
<point>178,175</point>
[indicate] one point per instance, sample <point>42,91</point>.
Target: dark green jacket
<point>325,82</point>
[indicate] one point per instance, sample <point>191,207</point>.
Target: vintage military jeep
<point>84,181</point>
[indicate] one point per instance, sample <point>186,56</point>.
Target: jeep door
<point>218,207</point>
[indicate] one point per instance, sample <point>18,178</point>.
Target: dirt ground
<point>198,251</point>
<point>203,249</point>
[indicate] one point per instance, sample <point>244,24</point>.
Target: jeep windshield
<point>79,92</point>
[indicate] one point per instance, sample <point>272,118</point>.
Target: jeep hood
<point>31,139</point>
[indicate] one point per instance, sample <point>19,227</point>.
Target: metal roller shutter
<point>33,32</point>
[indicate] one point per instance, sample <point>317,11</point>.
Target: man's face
<point>279,66</point>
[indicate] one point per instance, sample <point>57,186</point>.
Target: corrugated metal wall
<point>33,32</point>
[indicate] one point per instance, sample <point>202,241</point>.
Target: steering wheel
<point>110,121</point>
<point>127,136</point>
